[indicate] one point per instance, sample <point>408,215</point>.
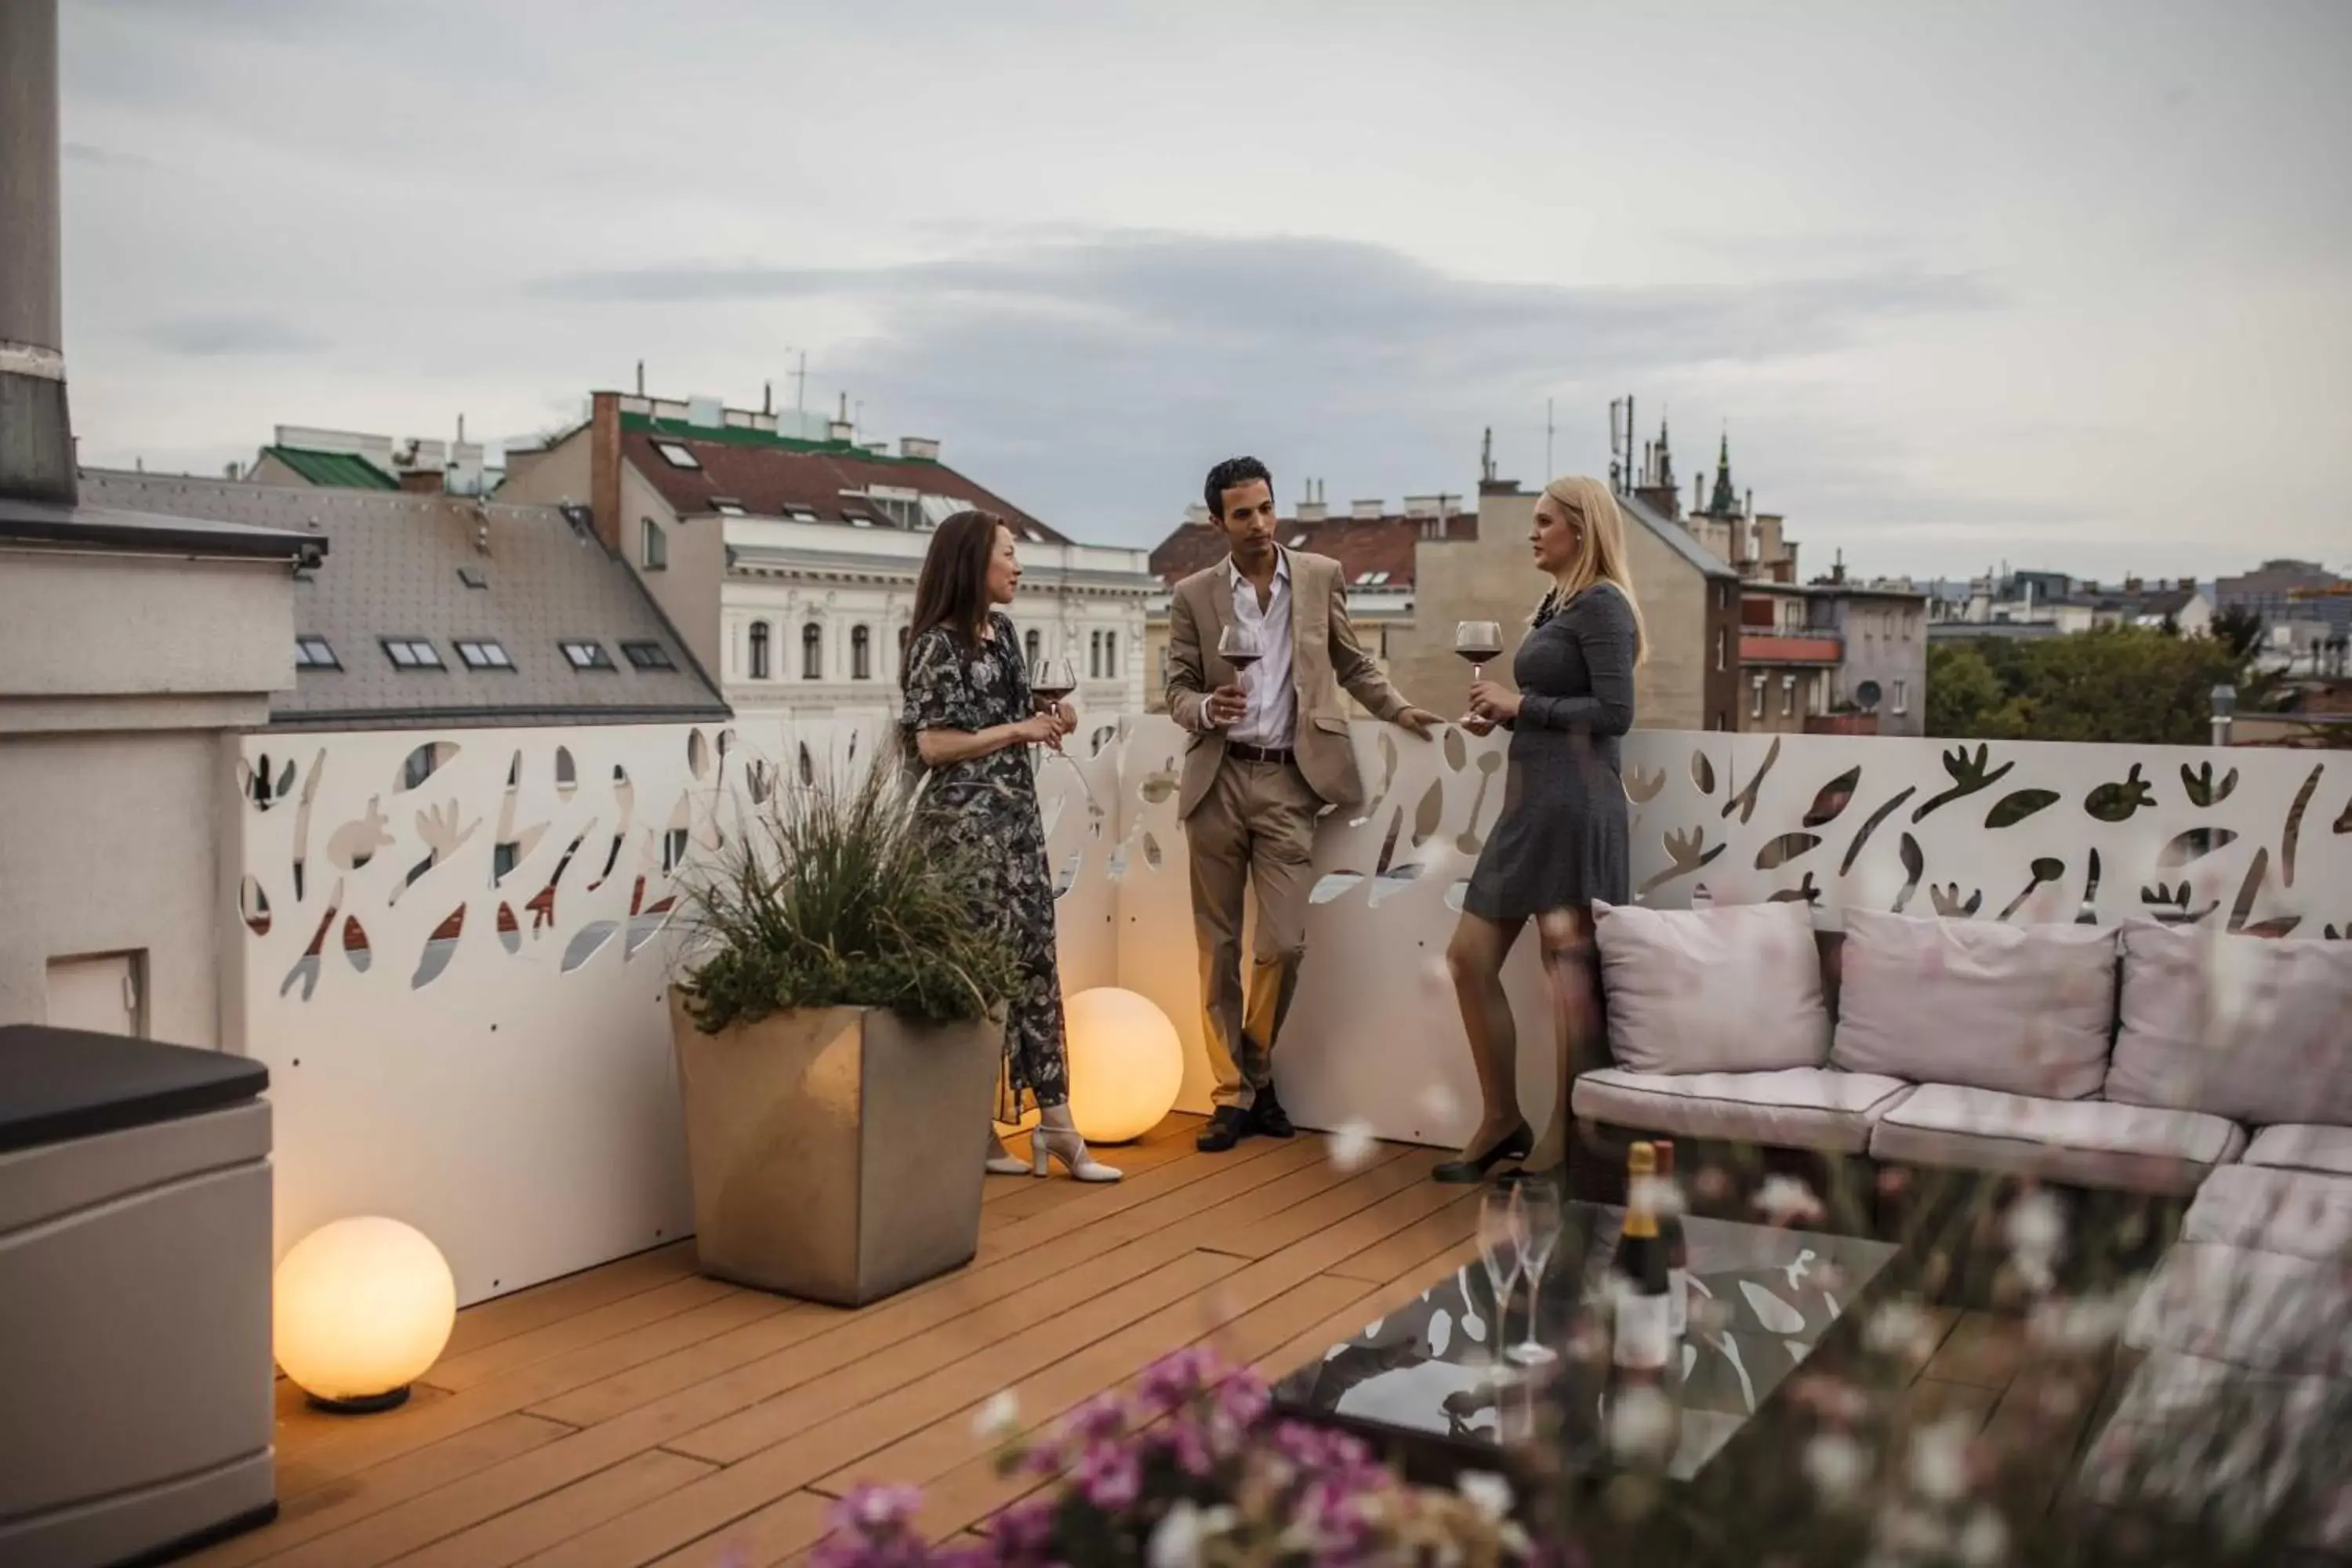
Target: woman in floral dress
<point>972,720</point>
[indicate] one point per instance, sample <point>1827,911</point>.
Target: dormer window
<point>587,656</point>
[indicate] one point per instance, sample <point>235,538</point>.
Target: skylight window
<point>485,654</point>
<point>676,456</point>
<point>587,656</point>
<point>315,653</point>
<point>412,653</point>
<point>727,506</point>
<point>648,655</point>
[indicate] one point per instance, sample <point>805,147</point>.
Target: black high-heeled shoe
<point>1515,1144</point>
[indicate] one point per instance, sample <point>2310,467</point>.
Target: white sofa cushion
<point>2302,1147</point>
<point>2079,1143</point>
<point>2267,1311</point>
<point>1793,1107</point>
<point>2255,1029</point>
<point>2302,1213</point>
<point>1736,988</point>
<point>1980,1004</point>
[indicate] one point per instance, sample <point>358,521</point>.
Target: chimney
<point>920,447</point>
<point>604,467</point>
<point>1311,509</point>
<point>1368,509</point>
<point>1196,513</point>
<point>37,450</point>
<point>1698,495</point>
<point>422,481</point>
<point>840,431</point>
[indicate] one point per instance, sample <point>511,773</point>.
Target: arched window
<point>1094,657</point>
<point>1110,656</point>
<point>811,652</point>
<point>1029,649</point>
<point>759,650</point>
<point>861,654</point>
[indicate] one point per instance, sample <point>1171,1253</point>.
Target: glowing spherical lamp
<point>361,1308</point>
<point>1126,1065</point>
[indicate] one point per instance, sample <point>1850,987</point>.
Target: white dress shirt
<point>1272,717</point>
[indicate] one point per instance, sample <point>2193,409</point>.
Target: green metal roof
<point>738,435</point>
<point>335,471</point>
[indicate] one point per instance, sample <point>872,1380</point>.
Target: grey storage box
<point>136,1405</point>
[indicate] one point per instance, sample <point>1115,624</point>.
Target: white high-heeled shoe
<point>1000,1160</point>
<point>1050,1143</point>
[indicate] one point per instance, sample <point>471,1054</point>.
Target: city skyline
<point>2062,288</point>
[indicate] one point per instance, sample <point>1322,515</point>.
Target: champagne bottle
<point>1641,1418</point>
<point>1642,1330</point>
<point>1669,1210</point>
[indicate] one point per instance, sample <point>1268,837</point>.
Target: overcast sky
<point>2065,285</point>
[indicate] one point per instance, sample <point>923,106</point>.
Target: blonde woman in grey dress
<point>1560,843</point>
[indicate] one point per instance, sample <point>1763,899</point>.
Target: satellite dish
<point>1865,696</point>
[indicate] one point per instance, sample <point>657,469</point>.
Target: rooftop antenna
<point>767,397</point>
<point>641,378</point>
<point>800,383</point>
<point>1486,456</point>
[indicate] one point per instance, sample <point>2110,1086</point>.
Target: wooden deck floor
<point>639,1412</point>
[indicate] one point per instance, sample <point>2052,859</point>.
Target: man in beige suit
<point>1268,752</point>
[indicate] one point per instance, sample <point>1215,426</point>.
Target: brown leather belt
<point>1250,754</point>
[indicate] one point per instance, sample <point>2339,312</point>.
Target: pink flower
<point>1110,1476</point>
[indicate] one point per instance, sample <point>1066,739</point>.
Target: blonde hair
<point>1601,556</point>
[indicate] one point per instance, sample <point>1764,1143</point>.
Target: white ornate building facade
<point>788,565</point>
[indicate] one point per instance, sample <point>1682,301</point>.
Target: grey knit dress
<point>1559,842</point>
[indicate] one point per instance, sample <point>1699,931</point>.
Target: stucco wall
<point>111,845</point>
<point>78,627</point>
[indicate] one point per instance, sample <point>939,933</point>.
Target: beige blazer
<point>1325,660</point>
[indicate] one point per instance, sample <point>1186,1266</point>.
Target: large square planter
<point>836,1153</point>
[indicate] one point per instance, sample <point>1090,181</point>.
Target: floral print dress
<point>989,804</point>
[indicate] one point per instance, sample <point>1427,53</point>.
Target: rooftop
<point>702,471</point>
<point>342,470</point>
<point>491,592</point>
<point>1372,551</point>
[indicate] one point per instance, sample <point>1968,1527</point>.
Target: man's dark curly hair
<point>1233,471</point>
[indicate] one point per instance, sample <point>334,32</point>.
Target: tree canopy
<point>2128,684</point>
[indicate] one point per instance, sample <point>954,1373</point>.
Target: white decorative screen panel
<point>456,946</point>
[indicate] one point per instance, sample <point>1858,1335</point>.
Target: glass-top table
<point>1433,1374</point>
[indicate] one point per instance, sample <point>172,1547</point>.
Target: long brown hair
<point>952,589</point>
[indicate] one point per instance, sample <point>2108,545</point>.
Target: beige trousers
<point>1255,829</point>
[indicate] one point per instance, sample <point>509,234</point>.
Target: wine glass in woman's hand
<point>1051,681</point>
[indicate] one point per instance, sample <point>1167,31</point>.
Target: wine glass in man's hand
<point>1239,647</point>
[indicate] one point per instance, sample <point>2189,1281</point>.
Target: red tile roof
<point>1362,545</point>
<point>771,476</point>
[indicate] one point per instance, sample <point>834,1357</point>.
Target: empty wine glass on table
<point>1541,1216</point>
<point>1501,1242</point>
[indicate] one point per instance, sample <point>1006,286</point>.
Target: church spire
<point>1725,501</point>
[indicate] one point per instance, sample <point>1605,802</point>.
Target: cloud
<point>214,336</point>
<point>1120,368</point>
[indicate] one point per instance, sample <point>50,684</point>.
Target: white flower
<point>998,1417</point>
<point>1176,1542</point>
<point>2035,1228</point>
<point>1900,1328</point>
<point>1939,1461</point>
<point>1836,1466</point>
<point>1984,1540</point>
<point>1352,1145</point>
<point>2085,1324</point>
<point>1785,1200</point>
<point>1490,1494</point>
<point>1641,1423</point>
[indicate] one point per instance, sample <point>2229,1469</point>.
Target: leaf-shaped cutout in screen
<point>1457,751</point>
<point>1429,813</point>
<point>585,945</point>
<point>2194,845</point>
<point>1834,798</point>
<point>2017,806</point>
<point>1785,848</point>
<point>1702,772</point>
<point>1333,885</point>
